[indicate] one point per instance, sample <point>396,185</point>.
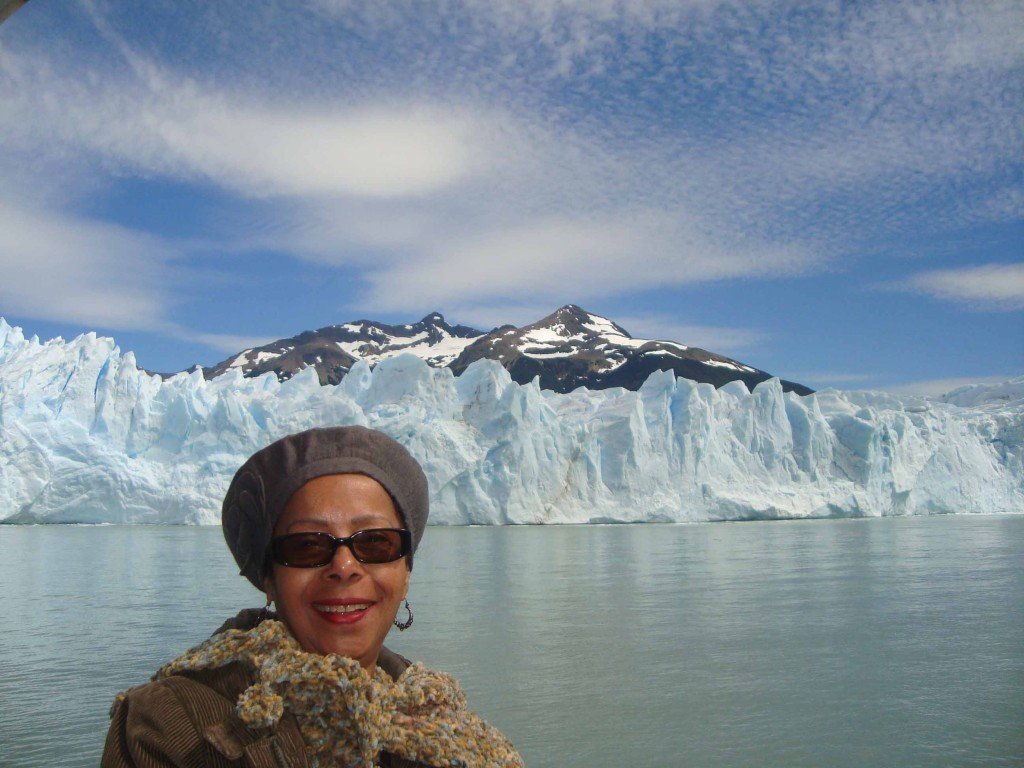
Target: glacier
<point>88,437</point>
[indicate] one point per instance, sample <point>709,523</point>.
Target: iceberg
<point>88,437</point>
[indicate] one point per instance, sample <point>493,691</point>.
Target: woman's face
<point>311,601</point>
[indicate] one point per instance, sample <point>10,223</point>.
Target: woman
<point>326,523</point>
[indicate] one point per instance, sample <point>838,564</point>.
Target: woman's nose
<point>344,564</point>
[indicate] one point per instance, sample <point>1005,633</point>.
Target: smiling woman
<point>326,522</point>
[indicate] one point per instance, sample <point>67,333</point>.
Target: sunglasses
<point>312,550</point>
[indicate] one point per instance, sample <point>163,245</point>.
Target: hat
<point>263,485</point>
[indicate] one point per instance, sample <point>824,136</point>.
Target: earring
<point>266,613</point>
<point>404,625</point>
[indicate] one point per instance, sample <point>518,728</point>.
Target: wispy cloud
<point>936,387</point>
<point>150,121</point>
<point>539,258</point>
<point>820,379</point>
<point>987,287</point>
<point>715,338</point>
<point>60,267</point>
<point>1006,204</point>
<point>66,268</point>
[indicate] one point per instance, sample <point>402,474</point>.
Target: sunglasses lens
<point>304,550</point>
<point>312,550</point>
<point>381,545</point>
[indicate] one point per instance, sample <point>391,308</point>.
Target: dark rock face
<point>569,348</point>
<point>572,348</point>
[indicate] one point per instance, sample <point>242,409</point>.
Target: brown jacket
<point>189,721</point>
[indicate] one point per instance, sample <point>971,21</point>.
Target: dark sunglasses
<point>312,550</point>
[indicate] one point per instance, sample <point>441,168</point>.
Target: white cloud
<point>714,338</point>
<point>152,121</point>
<point>992,287</point>
<point>1006,204</point>
<point>66,268</point>
<point>374,152</point>
<point>593,258</point>
<point>513,17</point>
<point>936,387</point>
<point>61,267</point>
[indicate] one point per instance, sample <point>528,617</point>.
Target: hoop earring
<point>404,625</point>
<point>266,613</point>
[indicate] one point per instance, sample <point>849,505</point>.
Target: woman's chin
<point>327,637</point>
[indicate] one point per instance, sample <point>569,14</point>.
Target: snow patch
<point>724,364</point>
<point>241,360</point>
<point>549,336</point>
<point>262,357</point>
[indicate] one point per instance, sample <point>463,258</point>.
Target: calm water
<point>895,642</point>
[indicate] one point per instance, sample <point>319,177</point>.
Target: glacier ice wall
<point>85,436</point>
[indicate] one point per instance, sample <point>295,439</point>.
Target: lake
<point>875,642</point>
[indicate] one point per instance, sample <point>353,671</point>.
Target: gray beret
<point>263,485</point>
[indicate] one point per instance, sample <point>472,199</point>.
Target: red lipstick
<point>342,610</point>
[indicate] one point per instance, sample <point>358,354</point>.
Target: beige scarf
<point>348,715</point>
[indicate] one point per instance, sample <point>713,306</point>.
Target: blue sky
<point>831,191</point>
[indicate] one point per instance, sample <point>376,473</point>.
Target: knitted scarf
<point>348,715</point>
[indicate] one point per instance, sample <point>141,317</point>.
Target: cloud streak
<point>65,268</point>
<point>936,387</point>
<point>722,339</point>
<point>158,123</point>
<point>597,258</point>
<point>991,287</point>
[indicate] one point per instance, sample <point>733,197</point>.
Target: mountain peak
<point>574,320</point>
<point>569,348</point>
<point>572,310</point>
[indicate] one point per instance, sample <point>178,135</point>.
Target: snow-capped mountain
<point>569,348</point>
<point>573,348</point>
<point>333,350</point>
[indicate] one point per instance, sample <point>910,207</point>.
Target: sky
<point>830,191</point>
